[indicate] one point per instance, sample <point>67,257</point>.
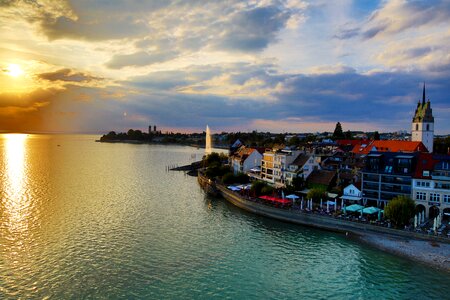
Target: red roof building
<point>389,146</point>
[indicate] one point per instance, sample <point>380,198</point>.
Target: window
<point>417,127</point>
<point>423,183</point>
<point>428,127</point>
<point>447,198</point>
<point>426,173</point>
<point>435,197</point>
<point>404,164</point>
<point>421,196</point>
<point>442,186</point>
<point>388,169</point>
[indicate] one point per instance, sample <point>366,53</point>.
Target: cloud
<point>397,16</point>
<point>67,75</point>
<point>141,58</point>
<point>252,30</point>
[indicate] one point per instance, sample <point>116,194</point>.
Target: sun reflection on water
<point>16,202</point>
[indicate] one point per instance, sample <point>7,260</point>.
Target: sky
<point>270,65</point>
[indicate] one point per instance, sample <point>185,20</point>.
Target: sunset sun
<point>14,70</point>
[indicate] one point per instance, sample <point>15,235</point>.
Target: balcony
<point>370,177</point>
<point>396,180</point>
<point>371,194</point>
<point>371,186</point>
<point>396,189</point>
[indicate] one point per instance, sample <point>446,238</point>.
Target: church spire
<point>423,96</point>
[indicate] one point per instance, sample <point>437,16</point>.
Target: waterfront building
<point>389,146</point>
<point>423,123</point>
<point>431,185</point>
<point>302,166</point>
<point>322,179</point>
<point>244,159</point>
<point>387,175</point>
<point>352,193</point>
<point>274,165</point>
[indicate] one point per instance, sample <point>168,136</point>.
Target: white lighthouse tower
<point>423,123</point>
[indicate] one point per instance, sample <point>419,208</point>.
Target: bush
<point>400,210</point>
<point>316,194</point>
<point>242,178</point>
<point>257,187</point>
<point>267,190</point>
<point>216,171</point>
<point>229,178</point>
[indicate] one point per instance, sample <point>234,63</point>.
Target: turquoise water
<point>80,219</point>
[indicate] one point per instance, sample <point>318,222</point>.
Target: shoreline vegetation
<point>255,138</point>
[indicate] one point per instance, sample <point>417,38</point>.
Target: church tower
<point>423,123</point>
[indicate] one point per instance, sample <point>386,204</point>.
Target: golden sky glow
<point>76,66</point>
<point>14,70</point>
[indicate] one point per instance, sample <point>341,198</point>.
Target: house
<point>351,193</point>
<point>323,179</point>
<point>387,175</point>
<point>302,166</point>
<point>389,146</point>
<point>274,165</point>
<point>431,184</point>
<point>245,159</point>
<point>348,145</point>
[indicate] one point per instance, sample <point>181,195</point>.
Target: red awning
<point>275,199</point>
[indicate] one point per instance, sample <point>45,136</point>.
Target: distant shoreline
<point>159,143</point>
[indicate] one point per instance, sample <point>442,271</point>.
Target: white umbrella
<point>328,207</point>
<point>342,203</point>
<point>423,216</point>
<point>301,205</point>
<point>415,221</point>
<point>310,204</point>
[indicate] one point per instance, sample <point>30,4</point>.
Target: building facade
<point>431,185</point>
<point>274,165</point>
<point>245,159</point>
<point>303,165</point>
<point>387,175</point>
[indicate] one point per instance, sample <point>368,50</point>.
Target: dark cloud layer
<point>67,75</point>
<point>252,29</point>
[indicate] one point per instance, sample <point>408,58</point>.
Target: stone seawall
<point>309,219</point>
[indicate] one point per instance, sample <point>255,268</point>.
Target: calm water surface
<point>80,219</point>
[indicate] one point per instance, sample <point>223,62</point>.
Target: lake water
<point>80,219</point>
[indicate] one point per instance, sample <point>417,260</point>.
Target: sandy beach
<point>432,253</point>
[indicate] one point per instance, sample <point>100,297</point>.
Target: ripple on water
<point>107,221</point>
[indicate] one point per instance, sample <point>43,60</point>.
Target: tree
<point>298,183</point>
<point>316,194</point>
<point>348,135</point>
<point>400,210</point>
<point>294,141</point>
<point>376,136</point>
<point>267,190</point>
<point>257,187</point>
<point>338,133</point>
